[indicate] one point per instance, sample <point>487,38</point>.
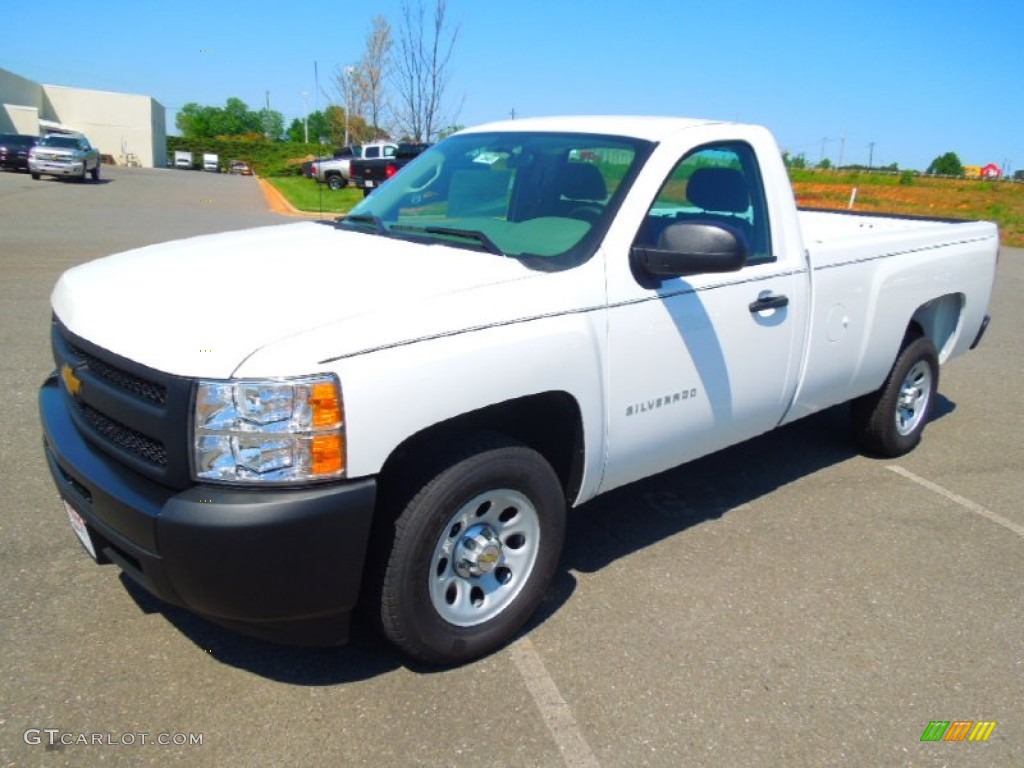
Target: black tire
<point>35,176</point>
<point>474,550</point>
<point>81,178</point>
<point>95,172</point>
<point>334,181</point>
<point>889,422</point>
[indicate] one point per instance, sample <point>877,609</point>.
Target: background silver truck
<point>64,156</point>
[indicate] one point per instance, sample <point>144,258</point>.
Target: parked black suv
<point>14,149</point>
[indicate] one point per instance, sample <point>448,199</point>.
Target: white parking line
<point>557,715</point>
<point>956,498</point>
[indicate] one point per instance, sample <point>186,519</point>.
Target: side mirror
<point>691,248</point>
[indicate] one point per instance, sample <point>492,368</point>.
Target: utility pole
<point>871,155</point>
<point>266,118</point>
<point>305,115</point>
<point>824,141</point>
<point>842,149</point>
<point>513,113</point>
<point>348,98</point>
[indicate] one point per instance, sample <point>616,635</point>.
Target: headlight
<point>269,431</point>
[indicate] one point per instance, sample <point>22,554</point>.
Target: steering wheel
<point>433,173</point>
<point>589,213</point>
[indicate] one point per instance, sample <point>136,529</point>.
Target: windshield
<point>68,142</point>
<point>545,198</point>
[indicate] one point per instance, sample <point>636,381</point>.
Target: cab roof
<point>641,127</point>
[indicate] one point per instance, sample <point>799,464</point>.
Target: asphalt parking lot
<point>783,603</point>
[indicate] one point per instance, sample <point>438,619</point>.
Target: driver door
<point>701,362</point>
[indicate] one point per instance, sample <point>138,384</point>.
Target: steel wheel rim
<point>915,394</point>
<point>461,596</point>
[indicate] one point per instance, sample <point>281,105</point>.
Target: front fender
<point>394,393</point>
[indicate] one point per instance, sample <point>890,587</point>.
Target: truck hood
<point>199,307</point>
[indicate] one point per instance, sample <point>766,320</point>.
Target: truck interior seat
<point>723,196</point>
<point>583,191</point>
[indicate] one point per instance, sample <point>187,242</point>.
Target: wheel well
<point>939,320</point>
<point>549,422</point>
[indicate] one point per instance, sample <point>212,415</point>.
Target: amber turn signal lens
<point>328,454</point>
<point>326,405</point>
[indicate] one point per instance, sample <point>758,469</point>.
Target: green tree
<point>319,127</point>
<point>233,119</point>
<point>946,165</point>
<point>194,121</point>
<point>356,127</point>
<point>271,124</point>
<point>825,164</point>
<point>799,162</point>
<point>236,118</point>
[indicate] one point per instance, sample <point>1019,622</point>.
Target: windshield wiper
<point>467,234</point>
<point>367,218</point>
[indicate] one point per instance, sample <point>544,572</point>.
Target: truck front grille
<point>137,385</point>
<point>137,415</point>
<point>124,437</point>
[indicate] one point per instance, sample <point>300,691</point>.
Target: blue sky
<point>916,77</point>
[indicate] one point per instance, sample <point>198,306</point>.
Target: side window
<point>371,152</point>
<point>718,183</point>
<point>389,151</point>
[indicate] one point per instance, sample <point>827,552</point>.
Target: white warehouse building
<point>127,128</point>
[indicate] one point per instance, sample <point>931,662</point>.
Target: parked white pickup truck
<point>397,409</point>
<point>336,172</point>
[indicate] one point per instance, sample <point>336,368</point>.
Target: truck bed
<point>821,226</point>
<point>870,273</point>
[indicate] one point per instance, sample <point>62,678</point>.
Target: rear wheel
<point>335,181</point>
<point>35,176</point>
<point>473,553</point>
<point>889,422</point>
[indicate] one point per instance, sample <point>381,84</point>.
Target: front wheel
<point>473,553</point>
<point>95,172</point>
<point>35,176</point>
<point>889,422</point>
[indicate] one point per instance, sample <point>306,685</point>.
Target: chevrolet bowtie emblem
<point>71,381</point>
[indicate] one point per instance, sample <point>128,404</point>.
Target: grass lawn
<point>998,201</point>
<point>306,195</point>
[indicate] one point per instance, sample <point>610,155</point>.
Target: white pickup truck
<point>336,172</point>
<point>395,410</point>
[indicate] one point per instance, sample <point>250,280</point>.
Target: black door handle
<point>771,301</point>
